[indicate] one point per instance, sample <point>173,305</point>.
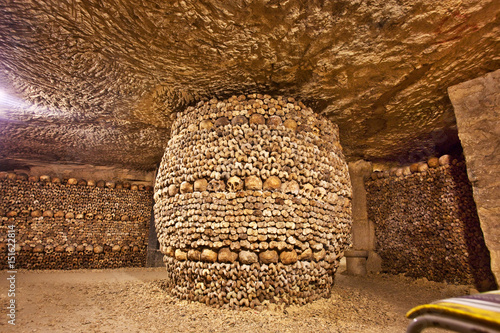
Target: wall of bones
<point>71,223</point>
<point>252,202</point>
<point>426,223</point>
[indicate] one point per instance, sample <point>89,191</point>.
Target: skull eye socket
<point>234,184</point>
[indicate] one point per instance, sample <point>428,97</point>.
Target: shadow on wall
<point>479,255</point>
<point>426,224</point>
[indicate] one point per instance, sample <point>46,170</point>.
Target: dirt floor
<point>131,300</point>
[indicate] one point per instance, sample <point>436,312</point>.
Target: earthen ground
<point>132,300</point>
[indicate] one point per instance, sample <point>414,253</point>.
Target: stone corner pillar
<point>362,258</point>
<point>477,110</point>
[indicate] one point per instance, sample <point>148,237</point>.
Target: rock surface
<point>477,108</point>
<point>100,82</point>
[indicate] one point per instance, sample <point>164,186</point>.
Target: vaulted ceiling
<point>100,82</point>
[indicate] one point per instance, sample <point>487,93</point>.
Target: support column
<point>477,109</point>
<point>362,258</point>
<point>252,202</point>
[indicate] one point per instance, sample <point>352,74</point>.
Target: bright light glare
<point>11,106</point>
<point>7,101</point>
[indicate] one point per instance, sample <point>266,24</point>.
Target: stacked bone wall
<point>252,202</point>
<point>426,223</point>
<point>73,224</point>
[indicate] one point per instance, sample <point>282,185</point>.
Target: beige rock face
<point>477,105</point>
<point>379,69</point>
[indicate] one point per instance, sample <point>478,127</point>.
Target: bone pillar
<point>252,202</point>
<point>477,109</point>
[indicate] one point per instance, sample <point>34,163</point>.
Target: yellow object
<point>481,308</point>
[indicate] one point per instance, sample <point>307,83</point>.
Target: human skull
<point>33,178</point>
<point>45,178</point>
<point>206,124</point>
<point>172,190</point>
<point>186,187</point>
<point>39,248</point>
<point>89,249</point>
<point>72,181</point>
<point>332,197</point>
<point>222,121</point>
<point>59,249</point>
<point>200,185</point>
<point>216,185</point>
<point>239,120</point>
<point>274,121</point>
<point>257,119</point>
<point>291,187</point>
<point>272,183</point>
<point>290,124</point>
<point>49,249</point>
<point>320,192</point>
<point>59,213</point>
<point>253,183</point>
<point>48,213</point>
<point>234,184</point>
<point>308,190</point>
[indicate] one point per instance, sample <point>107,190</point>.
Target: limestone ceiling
<point>100,81</point>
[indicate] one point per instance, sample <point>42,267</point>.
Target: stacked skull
<point>252,202</point>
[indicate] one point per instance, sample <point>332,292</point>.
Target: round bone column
<point>252,203</point>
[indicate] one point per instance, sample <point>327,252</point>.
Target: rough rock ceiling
<point>100,81</point>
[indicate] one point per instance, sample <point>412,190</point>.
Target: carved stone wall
<point>426,223</point>
<point>252,202</point>
<point>477,109</point>
<point>68,224</point>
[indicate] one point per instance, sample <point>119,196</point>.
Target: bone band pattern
<point>253,181</point>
